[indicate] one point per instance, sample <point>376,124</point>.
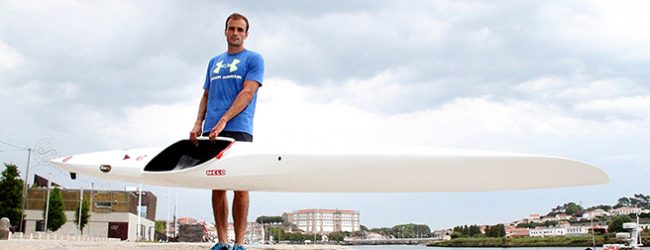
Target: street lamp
<point>47,204</point>
<point>139,228</point>
<point>22,208</point>
<point>81,198</point>
<point>44,152</point>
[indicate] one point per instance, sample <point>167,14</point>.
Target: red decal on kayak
<point>224,150</point>
<point>66,159</point>
<point>140,157</point>
<point>215,172</point>
<point>126,157</point>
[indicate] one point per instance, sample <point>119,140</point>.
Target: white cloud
<point>288,111</point>
<point>10,58</point>
<point>604,98</point>
<point>604,27</point>
<point>636,107</point>
<point>383,92</point>
<point>600,89</point>
<point>69,90</point>
<point>147,126</point>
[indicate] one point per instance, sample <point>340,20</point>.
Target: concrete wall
<point>97,226</point>
<point>147,228</point>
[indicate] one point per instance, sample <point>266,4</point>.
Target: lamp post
<point>138,228</point>
<point>90,208</point>
<point>47,203</point>
<point>22,208</point>
<point>169,195</point>
<point>44,151</point>
<point>81,198</point>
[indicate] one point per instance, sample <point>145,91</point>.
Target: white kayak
<point>226,164</point>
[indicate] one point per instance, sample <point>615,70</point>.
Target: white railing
<point>55,236</point>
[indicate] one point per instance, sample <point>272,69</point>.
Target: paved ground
<point>79,245</point>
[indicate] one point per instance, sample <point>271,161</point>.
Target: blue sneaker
<point>238,247</point>
<point>220,246</point>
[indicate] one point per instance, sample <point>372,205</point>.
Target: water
<point>412,247</point>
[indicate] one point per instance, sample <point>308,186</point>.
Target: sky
<point>565,78</point>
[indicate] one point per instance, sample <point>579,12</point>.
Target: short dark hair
<point>237,16</point>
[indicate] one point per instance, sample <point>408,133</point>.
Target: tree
<point>85,215</point>
<point>498,231</point>
<point>56,214</point>
<point>276,232</point>
<point>461,231</point>
<point>160,227</point>
<point>474,230</point>
<point>572,208</point>
<point>623,202</point>
<point>603,207</point>
<point>411,231</point>
<point>11,197</point>
<point>616,223</point>
<point>336,236</point>
<point>299,237</point>
<point>466,231</point>
<point>385,231</point>
<point>642,201</point>
<point>269,219</point>
<point>550,223</point>
<point>363,228</point>
<point>457,234</point>
<point>527,225</point>
<point>567,208</point>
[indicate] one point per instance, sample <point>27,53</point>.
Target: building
<point>113,214</point>
<point>577,231</point>
<point>186,220</point>
<point>536,218</point>
<point>628,210</point>
<point>563,224</point>
<point>547,232</point>
<point>512,231</point>
<point>556,217</point>
<point>588,215</point>
<point>563,217</point>
<point>324,221</point>
<point>444,234</point>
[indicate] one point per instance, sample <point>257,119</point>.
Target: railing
<point>54,236</point>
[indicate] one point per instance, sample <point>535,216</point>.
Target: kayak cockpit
<point>184,154</point>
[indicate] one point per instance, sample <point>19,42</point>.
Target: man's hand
<point>218,128</point>
<point>196,132</point>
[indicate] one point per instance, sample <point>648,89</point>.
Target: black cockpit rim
<point>184,154</point>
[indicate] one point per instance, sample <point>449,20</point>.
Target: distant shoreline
<point>557,241</point>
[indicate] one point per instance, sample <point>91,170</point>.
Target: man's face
<point>236,32</point>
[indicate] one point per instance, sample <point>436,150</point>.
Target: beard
<point>235,43</point>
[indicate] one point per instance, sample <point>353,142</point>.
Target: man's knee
<point>241,193</point>
<point>219,196</point>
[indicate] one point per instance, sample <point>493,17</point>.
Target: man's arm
<point>243,99</point>
<point>196,131</point>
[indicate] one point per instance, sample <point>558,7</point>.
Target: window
<point>40,226</point>
<point>103,204</point>
<point>143,211</point>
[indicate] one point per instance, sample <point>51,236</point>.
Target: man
<point>228,107</point>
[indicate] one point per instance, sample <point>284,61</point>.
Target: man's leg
<point>220,212</point>
<point>240,215</point>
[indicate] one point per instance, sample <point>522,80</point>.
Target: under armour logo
<point>232,66</point>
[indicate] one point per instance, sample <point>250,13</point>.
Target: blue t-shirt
<point>224,80</point>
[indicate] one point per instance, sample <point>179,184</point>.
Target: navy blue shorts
<point>238,136</point>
